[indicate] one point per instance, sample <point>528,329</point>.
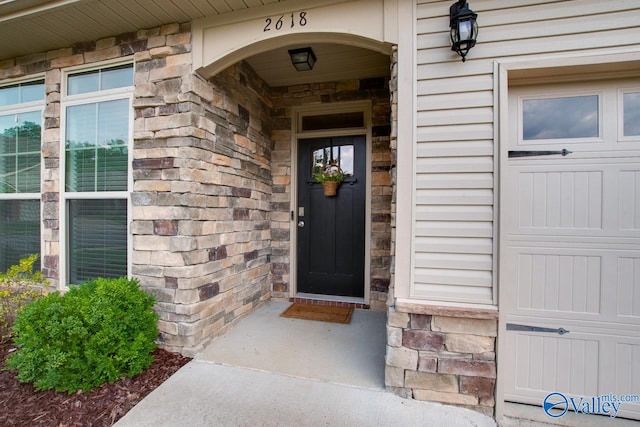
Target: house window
<point>333,121</point>
<point>97,129</point>
<point>20,137</point>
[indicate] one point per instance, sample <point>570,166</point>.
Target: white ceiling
<point>34,26</point>
<point>334,62</point>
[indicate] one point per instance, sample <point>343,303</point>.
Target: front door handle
<point>300,224</point>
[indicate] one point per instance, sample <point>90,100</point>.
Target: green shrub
<point>18,286</point>
<point>97,332</point>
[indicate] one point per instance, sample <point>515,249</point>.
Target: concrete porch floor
<point>348,354</point>
<point>275,371</point>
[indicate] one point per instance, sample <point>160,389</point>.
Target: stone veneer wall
<point>212,172</point>
<point>284,99</point>
<point>169,41</point>
<point>447,357</point>
<point>202,179</point>
<point>202,196</point>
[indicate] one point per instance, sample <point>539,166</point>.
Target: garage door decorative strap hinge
<point>533,153</point>
<point>527,328</point>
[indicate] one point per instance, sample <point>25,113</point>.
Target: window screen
<point>20,136</point>
<point>97,239</point>
<point>19,231</point>
<point>98,80</point>
<point>97,153</point>
<point>22,93</point>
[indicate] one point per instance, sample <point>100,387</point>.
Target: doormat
<point>323,313</point>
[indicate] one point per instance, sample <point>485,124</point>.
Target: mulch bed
<point>22,405</point>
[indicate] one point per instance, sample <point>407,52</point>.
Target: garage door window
<point>631,106</point>
<point>560,118</point>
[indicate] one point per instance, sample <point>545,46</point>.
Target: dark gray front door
<point>331,230</point>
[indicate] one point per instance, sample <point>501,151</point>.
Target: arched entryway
<point>340,111</point>
<point>349,259</point>
<point>216,155</point>
<point>345,96</point>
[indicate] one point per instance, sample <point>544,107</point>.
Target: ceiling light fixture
<point>303,59</point>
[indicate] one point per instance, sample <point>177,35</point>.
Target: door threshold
<point>330,300</point>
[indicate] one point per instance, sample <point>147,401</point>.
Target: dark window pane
<point>97,239</point>
<point>19,231</point>
<point>559,118</point>
<point>632,114</point>
<point>333,121</point>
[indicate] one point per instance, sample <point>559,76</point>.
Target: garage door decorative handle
<point>527,328</point>
<point>563,152</point>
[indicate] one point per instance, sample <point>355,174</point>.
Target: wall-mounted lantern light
<point>303,59</point>
<point>464,28</point>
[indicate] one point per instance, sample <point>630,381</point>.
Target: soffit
<point>35,26</point>
<point>32,26</point>
<point>335,62</point>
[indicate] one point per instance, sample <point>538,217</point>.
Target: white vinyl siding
<point>454,231</point>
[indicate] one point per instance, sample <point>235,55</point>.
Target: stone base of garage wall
<point>442,355</point>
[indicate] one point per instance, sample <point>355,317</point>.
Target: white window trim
<point>65,196</point>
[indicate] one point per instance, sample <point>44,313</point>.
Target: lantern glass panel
<point>465,29</point>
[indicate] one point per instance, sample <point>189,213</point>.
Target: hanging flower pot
<point>330,188</point>
<point>330,178</point>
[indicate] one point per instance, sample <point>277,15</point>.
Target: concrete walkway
<point>272,371</point>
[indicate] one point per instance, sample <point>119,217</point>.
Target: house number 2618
<point>293,20</point>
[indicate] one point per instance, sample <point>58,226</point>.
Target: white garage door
<point>570,254</point>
